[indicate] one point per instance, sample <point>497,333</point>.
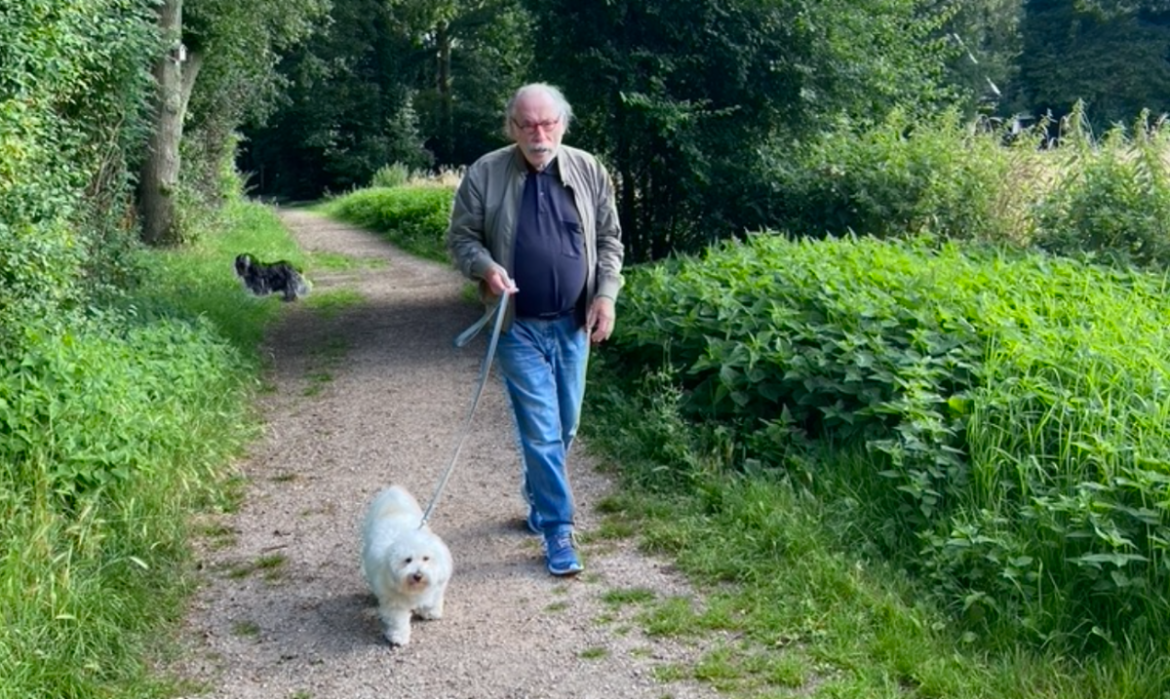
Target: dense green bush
<point>87,404</point>
<point>414,218</point>
<point>73,86</point>
<point>904,175</point>
<point>1015,434</point>
<point>394,175</point>
<point>1111,197</point>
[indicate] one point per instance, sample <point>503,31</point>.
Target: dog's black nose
<point>417,577</point>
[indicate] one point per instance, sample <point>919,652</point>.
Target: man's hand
<point>498,282</point>
<point>599,319</point>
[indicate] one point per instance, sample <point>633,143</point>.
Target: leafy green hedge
<point>414,218</point>
<point>1013,408</point>
<point>74,83</point>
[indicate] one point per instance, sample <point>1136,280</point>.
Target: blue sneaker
<point>562,557</point>
<point>534,523</point>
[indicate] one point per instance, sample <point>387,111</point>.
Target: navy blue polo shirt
<point>549,257</point>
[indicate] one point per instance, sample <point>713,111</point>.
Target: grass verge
<point>118,425</point>
<point>801,607</point>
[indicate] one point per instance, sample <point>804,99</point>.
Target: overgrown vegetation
<point>1111,197</point>
<point>412,217</point>
<point>944,174</point>
<point>930,466</point>
<point>804,605</point>
<point>63,148</point>
<point>116,425</point>
<point>1011,427</point>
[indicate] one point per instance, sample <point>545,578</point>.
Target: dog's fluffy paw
<point>398,637</point>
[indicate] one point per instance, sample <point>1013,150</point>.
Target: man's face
<point>537,128</point>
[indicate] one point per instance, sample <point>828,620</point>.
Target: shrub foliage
<point>1015,437</point>
<point>414,218</point>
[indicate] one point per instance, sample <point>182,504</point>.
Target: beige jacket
<point>482,233</point>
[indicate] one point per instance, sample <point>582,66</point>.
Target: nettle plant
<point>1014,426</point>
<point>841,339</point>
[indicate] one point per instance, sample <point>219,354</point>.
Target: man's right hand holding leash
<point>498,282</point>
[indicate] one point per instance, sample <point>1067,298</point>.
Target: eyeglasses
<point>531,127</point>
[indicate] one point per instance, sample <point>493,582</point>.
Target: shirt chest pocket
<point>572,239</point>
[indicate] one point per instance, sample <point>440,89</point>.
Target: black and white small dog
<point>279,277</point>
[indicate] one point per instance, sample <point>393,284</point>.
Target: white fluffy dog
<point>406,566</point>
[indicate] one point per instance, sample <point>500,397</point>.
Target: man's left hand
<point>599,319</point>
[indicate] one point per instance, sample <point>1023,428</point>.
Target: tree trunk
<point>159,179</point>
<point>447,128</point>
<point>627,187</point>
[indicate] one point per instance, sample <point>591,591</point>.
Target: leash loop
<point>463,338</point>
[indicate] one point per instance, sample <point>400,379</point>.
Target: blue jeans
<point>543,363</point>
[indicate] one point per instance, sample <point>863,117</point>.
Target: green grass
<point>329,304</point>
<point>200,279</point>
<point>334,262</point>
<point>594,653</point>
<point>125,423</point>
<point>816,610</point>
<point>246,629</point>
<point>628,596</point>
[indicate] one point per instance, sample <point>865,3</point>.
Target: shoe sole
<point>568,573</point>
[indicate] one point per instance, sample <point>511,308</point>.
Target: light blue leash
<point>460,341</point>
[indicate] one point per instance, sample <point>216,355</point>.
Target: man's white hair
<point>553,93</point>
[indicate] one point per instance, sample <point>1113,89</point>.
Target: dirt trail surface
<point>372,394</point>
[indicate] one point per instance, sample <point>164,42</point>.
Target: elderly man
<point>536,220</point>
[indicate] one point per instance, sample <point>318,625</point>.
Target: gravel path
<point>372,394</point>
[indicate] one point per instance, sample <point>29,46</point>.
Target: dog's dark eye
<point>426,559</point>
<point>409,560</point>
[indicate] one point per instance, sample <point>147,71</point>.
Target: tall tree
<point>1111,55</point>
<point>419,83</point>
<point>681,95</point>
<point>348,110</point>
<point>988,45</point>
<point>158,181</point>
<point>477,52</point>
<point>238,43</point>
